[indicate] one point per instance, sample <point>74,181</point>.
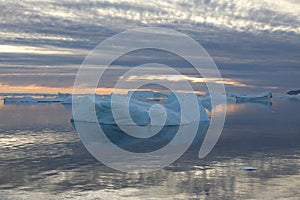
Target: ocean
<point>42,157</point>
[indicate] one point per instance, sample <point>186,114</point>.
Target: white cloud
<point>38,50</point>
<point>179,78</point>
<point>239,15</point>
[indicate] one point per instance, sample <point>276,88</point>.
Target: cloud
<point>179,78</point>
<point>240,35</point>
<point>37,50</point>
<point>53,19</point>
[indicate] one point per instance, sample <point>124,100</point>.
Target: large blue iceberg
<point>131,111</point>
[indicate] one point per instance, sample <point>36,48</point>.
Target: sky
<point>255,43</point>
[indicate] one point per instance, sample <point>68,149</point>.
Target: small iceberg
<point>60,97</point>
<point>25,99</point>
<point>248,168</point>
<point>266,96</point>
<point>294,92</point>
<point>131,111</point>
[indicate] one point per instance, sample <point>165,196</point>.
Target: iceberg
<point>173,104</point>
<point>140,113</point>
<point>68,100</point>
<point>60,97</point>
<point>294,92</point>
<point>76,99</point>
<point>266,96</point>
<point>249,168</point>
<point>25,99</point>
<point>72,100</point>
<point>206,99</point>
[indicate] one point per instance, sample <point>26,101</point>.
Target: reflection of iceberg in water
<point>131,135</point>
<point>266,104</point>
<point>138,145</point>
<point>110,145</point>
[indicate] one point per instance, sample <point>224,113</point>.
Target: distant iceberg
<point>141,112</point>
<point>249,168</point>
<point>266,96</point>
<point>25,99</point>
<point>294,92</point>
<point>60,97</point>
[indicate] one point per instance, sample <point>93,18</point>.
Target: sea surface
<point>42,157</point>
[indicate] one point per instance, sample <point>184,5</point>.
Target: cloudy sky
<point>255,43</point>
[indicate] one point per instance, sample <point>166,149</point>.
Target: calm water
<point>41,157</point>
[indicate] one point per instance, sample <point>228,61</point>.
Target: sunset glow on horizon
<point>34,89</point>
